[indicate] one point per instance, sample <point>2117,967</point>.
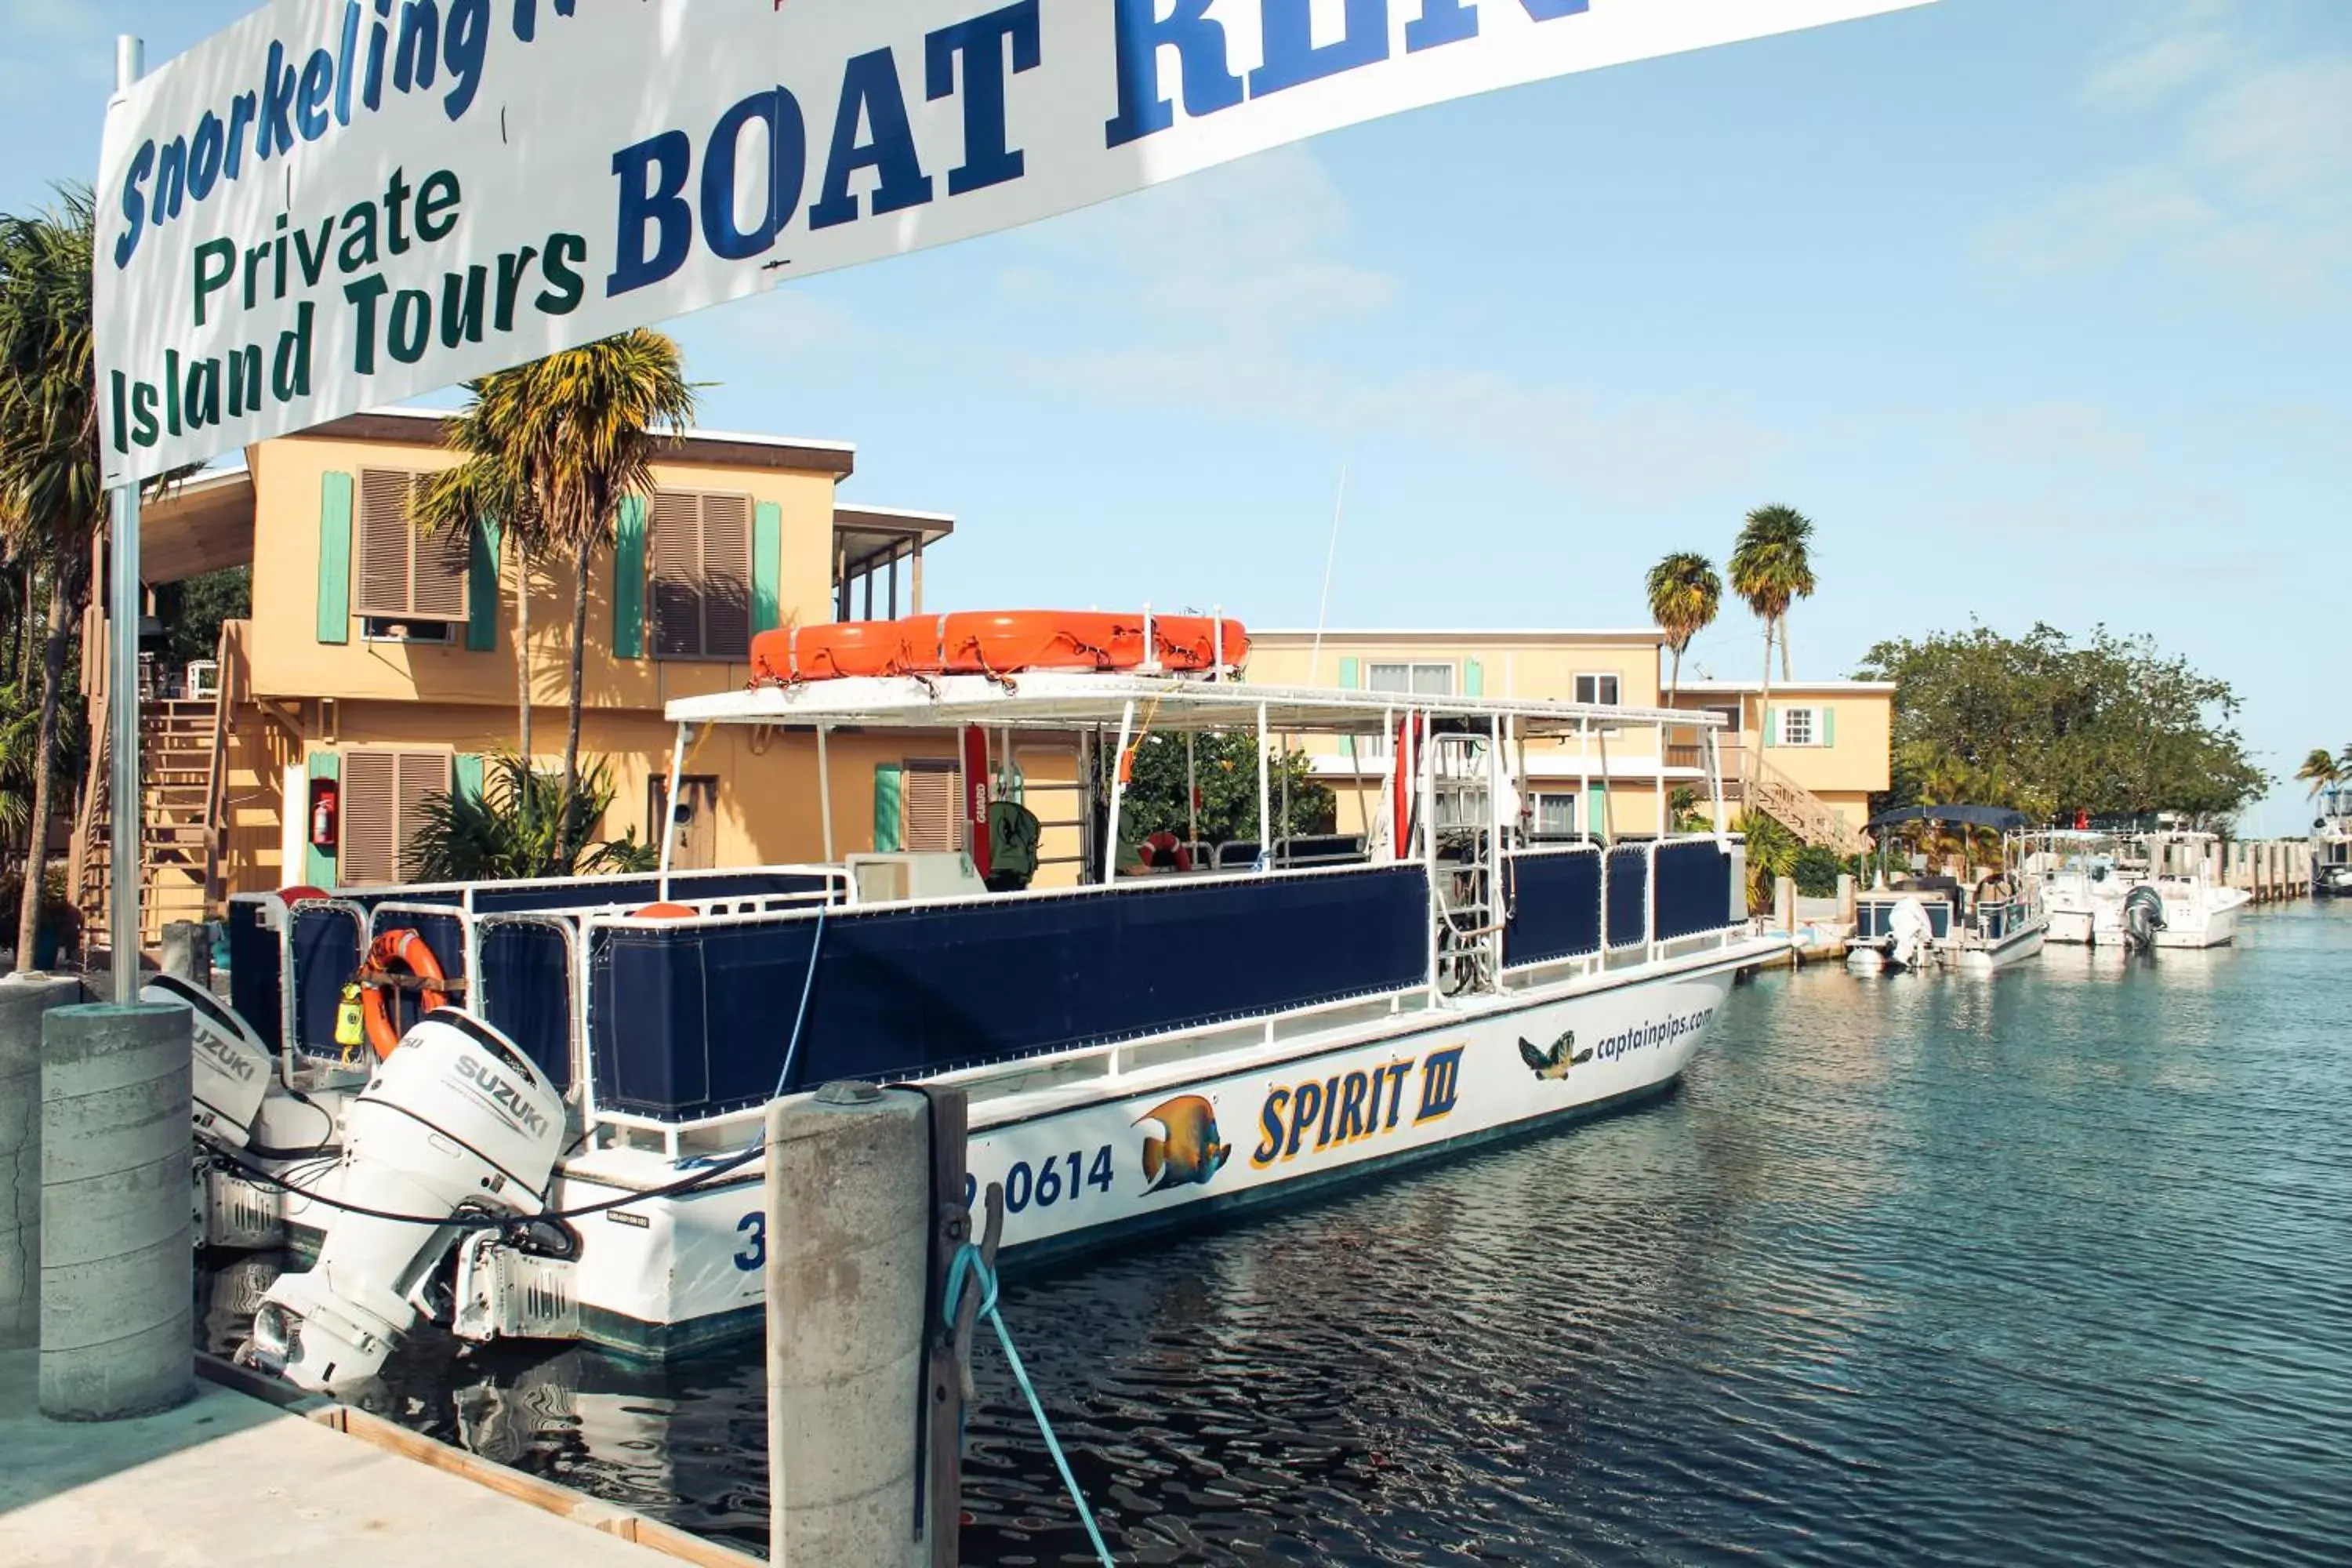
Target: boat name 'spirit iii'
<point>1194,1027</point>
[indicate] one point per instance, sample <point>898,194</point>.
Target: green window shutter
<point>1596,812</point>
<point>467,775</point>
<point>1347,674</point>
<point>767,567</point>
<point>1474,679</point>
<point>629,579</point>
<point>335,513</point>
<point>482,591</point>
<point>1771,725</point>
<point>318,864</point>
<point>889,780</point>
<point>1829,725</point>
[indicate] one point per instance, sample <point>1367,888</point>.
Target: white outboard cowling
<point>1909,934</point>
<point>457,1121</point>
<point>233,1068</point>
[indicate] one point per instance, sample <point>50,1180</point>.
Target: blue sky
<point>2041,311</point>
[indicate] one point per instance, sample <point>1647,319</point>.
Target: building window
<point>1414,680</point>
<point>702,576</point>
<point>406,575</point>
<point>928,821</point>
<point>376,629</point>
<point>1554,817</point>
<point>1597,690</point>
<point>1801,727</point>
<point>383,810</point>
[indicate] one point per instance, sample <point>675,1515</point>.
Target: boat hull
<point>2005,954</point>
<point>1079,1176</point>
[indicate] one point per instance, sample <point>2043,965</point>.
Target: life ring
<point>407,950</point>
<point>1164,849</point>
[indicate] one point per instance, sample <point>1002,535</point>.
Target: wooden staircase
<point>182,753</point>
<point>1800,811</point>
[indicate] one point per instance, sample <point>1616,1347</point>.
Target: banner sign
<point>339,203</point>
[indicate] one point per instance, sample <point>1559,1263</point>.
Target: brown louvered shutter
<point>384,544</point>
<point>444,568</point>
<point>702,575</point>
<point>421,774</point>
<point>677,574</point>
<point>370,819</point>
<point>727,577</point>
<point>928,820</point>
<point>405,575</point>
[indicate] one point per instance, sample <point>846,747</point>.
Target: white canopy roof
<point>1064,701</point>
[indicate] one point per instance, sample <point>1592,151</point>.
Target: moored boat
<point>1193,1028</point>
<point>2331,844</point>
<point>1916,921</point>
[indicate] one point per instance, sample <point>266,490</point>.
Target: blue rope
<point>968,1262</point>
<point>800,1016</point>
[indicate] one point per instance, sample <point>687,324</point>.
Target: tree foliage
<point>1685,595</point>
<point>2324,770</point>
<point>192,612</point>
<point>2111,726</point>
<point>525,824</point>
<point>1771,569</point>
<point>1225,767</point>
<point>551,448</point>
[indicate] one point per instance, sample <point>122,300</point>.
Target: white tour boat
<point>1918,922</point>
<point>1239,1024</point>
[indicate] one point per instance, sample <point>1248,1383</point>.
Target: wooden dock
<point>2273,870</point>
<point>233,1480</point>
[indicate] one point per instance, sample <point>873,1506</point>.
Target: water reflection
<point>2046,1270</point>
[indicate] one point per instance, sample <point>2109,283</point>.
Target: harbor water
<point>2054,1267</point>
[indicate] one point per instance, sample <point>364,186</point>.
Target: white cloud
<point>2251,186</point>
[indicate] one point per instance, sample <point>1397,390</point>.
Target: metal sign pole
<point>124,610</point>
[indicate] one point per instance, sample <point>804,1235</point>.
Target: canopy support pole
<point>1118,791</point>
<point>825,788</point>
<point>669,807</point>
<point>1265,798</point>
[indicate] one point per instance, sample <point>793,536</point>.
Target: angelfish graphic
<point>1189,1152</point>
<point>1556,1062</point>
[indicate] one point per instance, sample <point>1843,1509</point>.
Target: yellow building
<point>379,667</point>
<point>1823,753</point>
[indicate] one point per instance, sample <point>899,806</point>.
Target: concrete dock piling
<point>24,1000</point>
<point>848,1232</point>
<point>118,1277</point>
<point>188,953</point>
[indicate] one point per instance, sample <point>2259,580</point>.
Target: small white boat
<point>2134,891</point>
<point>1922,921</point>
<point>2331,845</point>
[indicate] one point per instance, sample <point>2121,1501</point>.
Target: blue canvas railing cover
<point>693,1020</point>
<point>1629,896</point>
<point>1555,908</point>
<point>1695,891</point>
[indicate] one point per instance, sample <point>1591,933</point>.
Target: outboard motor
<point>233,1068</point>
<point>457,1122</point>
<point>1909,935</point>
<point>2142,918</point>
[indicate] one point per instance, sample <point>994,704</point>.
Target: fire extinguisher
<point>325,815</point>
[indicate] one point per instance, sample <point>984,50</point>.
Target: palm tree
<point>2321,771</point>
<point>1684,594</point>
<point>553,447</point>
<point>52,493</point>
<point>1771,568</point>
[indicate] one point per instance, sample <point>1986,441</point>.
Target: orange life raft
<point>997,642</point>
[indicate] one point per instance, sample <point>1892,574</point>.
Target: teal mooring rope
<point>968,1262</point>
